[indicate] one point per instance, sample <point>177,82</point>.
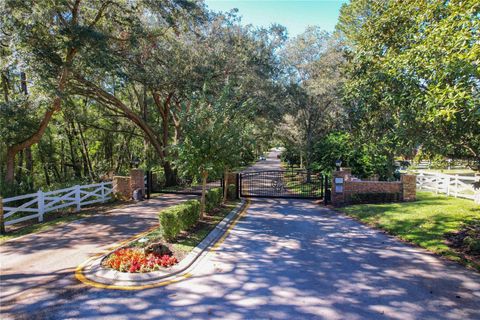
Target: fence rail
<point>16,209</point>
<point>459,186</point>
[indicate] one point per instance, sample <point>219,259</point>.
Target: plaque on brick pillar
<point>137,182</point>
<point>339,177</point>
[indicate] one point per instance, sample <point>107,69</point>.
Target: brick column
<point>338,190</point>
<point>2,222</point>
<point>409,186</point>
<point>121,188</point>
<point>137,180</point>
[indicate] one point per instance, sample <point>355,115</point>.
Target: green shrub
<point>189,213</point>
<point>232,192</point>
<point>180,217</point>
<point>170,223</point>
<point>213,199</point>
<point>370,197</point>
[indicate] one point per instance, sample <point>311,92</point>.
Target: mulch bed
<point>466,241</point>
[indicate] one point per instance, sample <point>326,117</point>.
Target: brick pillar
<point>338,188</point>
<point>137,181</point>
<point>121,188</point>
<point>2,222</point>
<point>409,187</point>
<point>232,180</point>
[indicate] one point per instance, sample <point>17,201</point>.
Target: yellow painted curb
<point>176,278</point>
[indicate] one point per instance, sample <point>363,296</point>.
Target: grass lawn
<point>425,222</point>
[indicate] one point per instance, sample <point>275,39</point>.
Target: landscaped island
<point>181,229</point>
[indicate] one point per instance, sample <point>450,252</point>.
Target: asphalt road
<point>286,259</point>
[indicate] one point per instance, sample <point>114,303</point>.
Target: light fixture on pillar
<point>135,162</point>
<point>338,164</point>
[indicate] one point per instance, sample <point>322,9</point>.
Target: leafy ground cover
<point>441,224</point>
<point>152,252</point>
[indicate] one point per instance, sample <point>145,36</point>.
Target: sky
<point>296,15</point>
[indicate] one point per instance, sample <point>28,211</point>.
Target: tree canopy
<point>88,85</point>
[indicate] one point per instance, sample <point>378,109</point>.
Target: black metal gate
<point>283,184</point>
<point>182,187</point>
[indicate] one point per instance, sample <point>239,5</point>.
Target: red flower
<point>135,260</point>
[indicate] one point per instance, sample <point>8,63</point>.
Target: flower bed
<point>137,260</point>
<point>153,252</point>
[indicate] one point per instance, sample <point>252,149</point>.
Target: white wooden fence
<point>39,203</point>
<point>458,186</point>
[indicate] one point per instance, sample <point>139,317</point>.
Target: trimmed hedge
<point>213,199</point>
<point>180,217</point>
<point>363,198</point>
<point>185,215</point>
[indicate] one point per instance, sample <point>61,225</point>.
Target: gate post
<point>238,185</point>
<point>149,184</point>
<point>2,222</point>
<point>326,193</point>
<point>338,185</point>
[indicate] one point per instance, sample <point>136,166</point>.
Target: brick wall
<point>403,190</point>
<point>137,180</point>
<point>409,191</point>
<point>121,188</point>
<point>372,187</point>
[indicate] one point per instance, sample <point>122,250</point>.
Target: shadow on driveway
<point>292,260</point>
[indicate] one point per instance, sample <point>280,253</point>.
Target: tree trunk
<point>85,154</point>
<point>73,153</point>
<point>170,174</point>
<point>19,167</point>
<point>204,192</point>
<point>5,86</point>
<point>225,184</point>
<point>10,174</point>
<point>36,136</point>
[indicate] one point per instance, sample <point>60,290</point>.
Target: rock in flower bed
<point>137,260</point>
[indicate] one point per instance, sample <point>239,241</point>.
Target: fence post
<point>477,193</point>
<point>447,178</point>
<point>77,198</point>
<point>2,222</point>
<point>456,186</point>
<point>102,191</point>
<point>40,205</point>
<point>238,185</point>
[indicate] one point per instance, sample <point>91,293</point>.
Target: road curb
<point>91,273</point>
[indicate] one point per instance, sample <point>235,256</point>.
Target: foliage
<point>365,159</point>
<point>368,197</point>
<point>425,222</point>
<point>111,80</point>
<point>232,192</point>
<point>313,80</point>
<point>179,217</point>
<point>213,199</point>
<point>135,260</point>
<point>413,75</point>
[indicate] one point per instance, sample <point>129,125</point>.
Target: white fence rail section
<point>453,185</point>
<point>41,202</point>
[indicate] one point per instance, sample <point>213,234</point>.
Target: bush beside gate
<point>183,216</point>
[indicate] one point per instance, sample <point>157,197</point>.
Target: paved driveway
<point>42,264</point>
<point>291,259</point>
<point>286,259</point>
